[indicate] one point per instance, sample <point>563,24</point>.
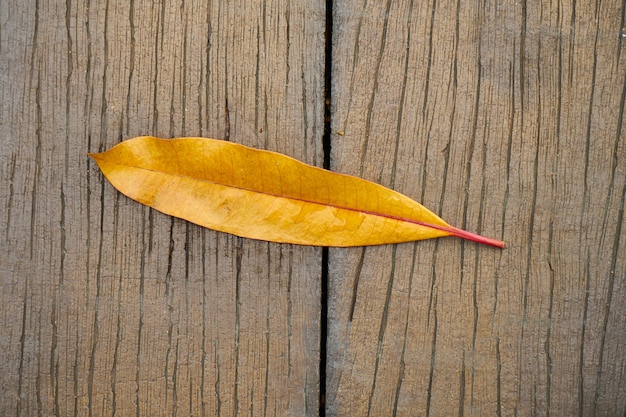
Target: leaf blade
<point>266,195</point>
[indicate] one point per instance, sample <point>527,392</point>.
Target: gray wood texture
<point>506,118</point>
<point>110,308</point>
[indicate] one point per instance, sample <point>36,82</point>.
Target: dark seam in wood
<point>615,160</point>
<point>183,108</point>
<point>477,263</point>
<point>520,359</point>
<point>203,363</point>
<point>118,341</point>
<point>405,76</point>
<point>432,296</point>
<point>131,59</point>
<point>622,35</point>
<point>287,46</point>
<point>20,368</point>
<point>34,41</point>
<point>587,276</point>
<point>425,157</point>
<point>609,300</point>
<point>505,199</point>
<point>39,359</point>
<point>571,66</point>
<point>68,79</point>
<point>168,299</point>
<point>430,58</point>
<point>355,285</point>
<point>268,252</point>
<point>328,86</point>
<point>87,106</point>
<point>217,365</point>
<point>95,326</point>
<point>265,121</point>
<point>142,279</point>
<point>398,389</point>
<point>75,369</point>
<point>433,358</point>
<point>188,311</point>
<point>470,150</point>
<point>105,66</point>
<point>9,203</point>
<point>614,257</point>
<point>327,149</point>
<point>559,99</point>
<point>305,121</point>
<point>553,186</point>
<point>581,356</point>
<point>257,76</point>
<point>290,262</point>
<point>475,320</point>
<point>172,110</point>
<point>158,46</point>
<point>455,60</point>
<point>323,333</point>
<point>588,132</point>
<point>392,183</point>
<point>470,155</point>
<point>462,384</point>
<point>509,146</point>
<point>531,229</point>
<point>498,379</point>
<point>116,217</point>
<point>238,242</point>
<point>226,118</point>
<point>475,311</point>
<point>370,106</point>
<point>382,328</point>
<point>547,344</point>
<point>355,60</point>
<point>58,293</point>
<point>190,388</point>
<point>207,77</point>
<point>175,380</point>
<point>38,162</point>
<point>406,331</point>
<point>226,84</point>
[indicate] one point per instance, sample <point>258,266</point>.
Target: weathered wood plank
<point>506,119</point>
<point>109,308</point>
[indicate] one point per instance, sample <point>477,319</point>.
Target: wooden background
<point>506,118</point>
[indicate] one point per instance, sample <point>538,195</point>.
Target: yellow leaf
<point>265,195</point>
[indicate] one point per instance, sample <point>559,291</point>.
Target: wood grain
<point>505,119</point>
<point>109,308</point>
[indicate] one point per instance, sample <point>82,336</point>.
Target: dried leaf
<point>265,195</point>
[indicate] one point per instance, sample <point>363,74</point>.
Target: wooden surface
<point>506,118</point>
<point>109,308</point>
<point>503,117</point>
